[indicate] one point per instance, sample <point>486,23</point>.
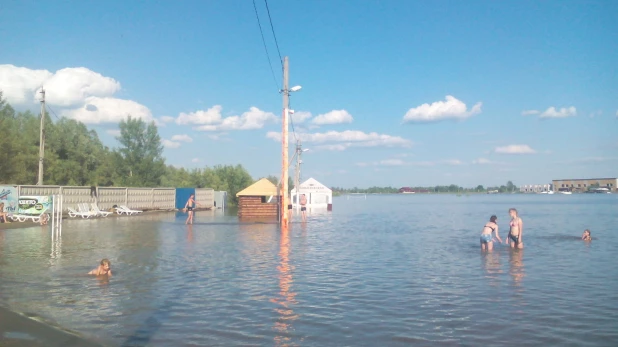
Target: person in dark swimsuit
<point>487,234</point>
<point>517,230</point>
<point>189,206</point>
<point>303,207</point>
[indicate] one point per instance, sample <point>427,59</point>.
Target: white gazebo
<point>318,195</point>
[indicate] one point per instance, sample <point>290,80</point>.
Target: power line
<point>266,48</point>
<point>52,111</point>
<point>273,30</point>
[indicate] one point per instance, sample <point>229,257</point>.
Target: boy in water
<point>102,270</point>
<point>586,235</point>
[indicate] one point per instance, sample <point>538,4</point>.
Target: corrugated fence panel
<point>38,190</point>
<point>71,196</point>
<point>139,198</point>
<point>110,196</point>
<point>164,198</point>
<point>205,197</point>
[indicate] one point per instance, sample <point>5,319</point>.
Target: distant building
<point>583,184</point>
<point>535,188</point>
<point>406,190</point>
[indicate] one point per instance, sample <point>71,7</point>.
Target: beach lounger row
<point>85,212</point>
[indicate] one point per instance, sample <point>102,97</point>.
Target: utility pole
<point>284,145</point>
<point>42,139</point>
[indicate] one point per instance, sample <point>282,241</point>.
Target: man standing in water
<point>303,207</point>
<point>189,206</point>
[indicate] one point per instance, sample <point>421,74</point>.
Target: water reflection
<point>56,249</point>
<point>286,300</point>
<point>190,233</point>
<point>491,262</point>
<point>516,266</point>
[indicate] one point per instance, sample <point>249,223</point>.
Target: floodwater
<point>385,271</point>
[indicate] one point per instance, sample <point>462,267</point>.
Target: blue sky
<point>399,93</point>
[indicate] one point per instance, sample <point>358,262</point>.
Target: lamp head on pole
<point>295,88</point>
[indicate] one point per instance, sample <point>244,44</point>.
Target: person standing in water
<point>516,231</point>
<point>303,207</point>
<point>586,236</point>
<point>189,206</point>
<point>487,237</point>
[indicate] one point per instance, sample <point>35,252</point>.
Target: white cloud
<point>108,110</point>
<point>211,119</point>
<point>562,113</point>
<point>182,138</point>
<point>113,132</point>
<point>453,162</point>
<point>80,93</point>
<point>530,112</point>
<point>72,86</point>
<point>170,144</point>
<point>515,149</point>
<point>441,110</point>
<point>166,119</point>
<point>299,117</point>
<point>341,140</point>
<point>18,84</point>
<point>333,117</point>
<point>481,161</point>
<point>64,88</point>
<point>195,160</point>
<point>210,116</point>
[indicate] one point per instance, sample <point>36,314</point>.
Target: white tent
<point>318,195</point>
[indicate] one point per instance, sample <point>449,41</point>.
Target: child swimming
<point>105,269</point>
<point>586,235</point>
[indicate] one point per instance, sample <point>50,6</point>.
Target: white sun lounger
<point>123,209</point>
<point>73,213</point>
<point>25,217</point>
<point>83,208</point>
<point>98,211</point>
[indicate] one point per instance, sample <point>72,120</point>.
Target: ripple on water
<point>389,270</point>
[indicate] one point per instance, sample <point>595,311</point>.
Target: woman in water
<point>487,237</point>
<point>586,235</point>
<point>517,230</point>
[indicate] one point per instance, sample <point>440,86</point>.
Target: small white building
<point>318,195</point>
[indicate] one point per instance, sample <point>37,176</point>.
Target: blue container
<point>182,195</point>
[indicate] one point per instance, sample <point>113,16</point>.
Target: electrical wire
<point>52,111</point>
<point>265,47</point>
<point>275,36</point>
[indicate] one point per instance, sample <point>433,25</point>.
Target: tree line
<point>453,188</point>
<point>75,156</point>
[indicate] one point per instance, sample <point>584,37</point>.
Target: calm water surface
<point>385,271</point>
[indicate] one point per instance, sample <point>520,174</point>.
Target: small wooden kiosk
<point>258,201</point>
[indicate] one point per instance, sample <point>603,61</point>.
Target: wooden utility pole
<point>42,139</point>
<point>284,146</point>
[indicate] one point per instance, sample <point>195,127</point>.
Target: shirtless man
<point>189,206</point>
<point>102,270</point>
<point>517,230</point>
<point>303,207</point>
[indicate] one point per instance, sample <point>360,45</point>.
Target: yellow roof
<point>262,187</point>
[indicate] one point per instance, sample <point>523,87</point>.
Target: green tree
<point>480,188</point>
<point>139,159</point>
